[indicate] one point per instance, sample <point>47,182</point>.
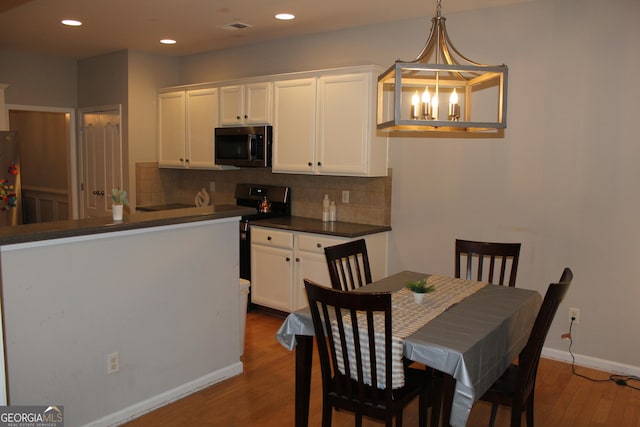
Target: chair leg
<point>494,413</point>
<point>530,411</point>
<point>326,415</point>
<point>359,420</point>
<point>398,419</point>
<point>516,415</point>
<point>423,406</point>
<point>436,399</point>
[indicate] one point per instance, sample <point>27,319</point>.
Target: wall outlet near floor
<point>113,363</point>
<point>212,187</point>
<point>345,196</point>
<point>574,313</point>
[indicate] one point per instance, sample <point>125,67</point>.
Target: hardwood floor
<point>264,394</point>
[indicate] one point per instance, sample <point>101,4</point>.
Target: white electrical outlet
<point>212,187</point>
<point>345,196</point>
<point>574,313</point>
<point>113,363</point>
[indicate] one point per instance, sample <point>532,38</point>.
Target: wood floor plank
<point>264,394</point>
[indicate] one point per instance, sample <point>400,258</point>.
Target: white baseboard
<point>592,362</point>
<point>162,399</point>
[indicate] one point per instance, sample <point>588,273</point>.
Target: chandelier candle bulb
<point>434,106</point>
<point>454,107</point>
<point>415,102</point>
<point>426,104</point>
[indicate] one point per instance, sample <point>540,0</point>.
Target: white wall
<point>562,181</point>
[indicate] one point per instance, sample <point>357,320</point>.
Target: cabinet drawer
<point>270,237</point>
<point>316,243</point>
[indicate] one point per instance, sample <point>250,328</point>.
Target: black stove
<point>253,195</point>
<point>270,201</point>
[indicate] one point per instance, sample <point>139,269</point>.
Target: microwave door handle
<point>251,146</point>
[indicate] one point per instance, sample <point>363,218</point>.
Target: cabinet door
<point>294,126</point>
<point>258,103</point>
<point>171,134</point>
<point>310,263</point>
<point>232,105</point>
<point>272,277</point>
<point>202,119</point>
<point>313,266</point>
<point>344,104</point>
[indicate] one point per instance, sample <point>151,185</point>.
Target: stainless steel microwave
<point>245,146</point>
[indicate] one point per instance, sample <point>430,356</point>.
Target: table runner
<point>407,317</point>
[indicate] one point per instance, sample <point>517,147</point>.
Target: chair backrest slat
<point>328,309</point>
<point>348,265</point>
<point>475,253</point>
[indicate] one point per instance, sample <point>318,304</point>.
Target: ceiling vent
<point>235,26</point>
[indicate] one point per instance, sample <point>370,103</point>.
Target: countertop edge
<point>90,226</point>
<point>316,226</point>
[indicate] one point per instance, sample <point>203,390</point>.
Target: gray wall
<point>146,74</point>
<point>171,314</point>
<point>563,179</point>
<point>38,79</point>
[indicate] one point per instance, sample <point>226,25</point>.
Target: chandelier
<point>442,90</point>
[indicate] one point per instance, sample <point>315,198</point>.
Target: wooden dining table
<point>472,342</point>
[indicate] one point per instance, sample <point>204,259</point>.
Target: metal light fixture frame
<point>449,70</point>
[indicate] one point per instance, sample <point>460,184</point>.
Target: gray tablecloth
<point>474,341</point>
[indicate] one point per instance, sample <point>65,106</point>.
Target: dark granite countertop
<point>311,225</point>
<point>167,206</point>
<point>82,227</point>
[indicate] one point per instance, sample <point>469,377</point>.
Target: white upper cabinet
<point>172,130</point>
<point>326,125</point>
<point>324,122</point>
<point>187,123</point>
<point>246,104</point>
<point>294,126</point>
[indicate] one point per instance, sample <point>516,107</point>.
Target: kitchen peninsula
<point>155,295</point>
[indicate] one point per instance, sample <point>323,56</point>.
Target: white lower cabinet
<point>281,260</point>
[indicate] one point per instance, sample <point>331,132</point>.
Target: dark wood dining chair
<point>516,387</point>
<point>349,390</point>
<point>497,255</point>
<point>348,265</point>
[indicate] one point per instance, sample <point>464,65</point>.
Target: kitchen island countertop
<point>82,227</point>
<point>312,225</point>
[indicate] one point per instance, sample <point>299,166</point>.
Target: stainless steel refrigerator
<point>10,195</point>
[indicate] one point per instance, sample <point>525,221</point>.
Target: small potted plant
<point>419,288</point>
<point>119,198</point>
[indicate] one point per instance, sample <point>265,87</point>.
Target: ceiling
<point>111,25</point>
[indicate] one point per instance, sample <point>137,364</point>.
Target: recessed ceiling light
<point>71,22</point>
<point>168,41</point>
<point>285,16</point>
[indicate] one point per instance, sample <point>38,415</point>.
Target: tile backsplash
<point>369,198</point>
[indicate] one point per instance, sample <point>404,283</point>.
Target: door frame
<point>73,183</point>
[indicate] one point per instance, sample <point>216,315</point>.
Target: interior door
<point>101,160</point>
